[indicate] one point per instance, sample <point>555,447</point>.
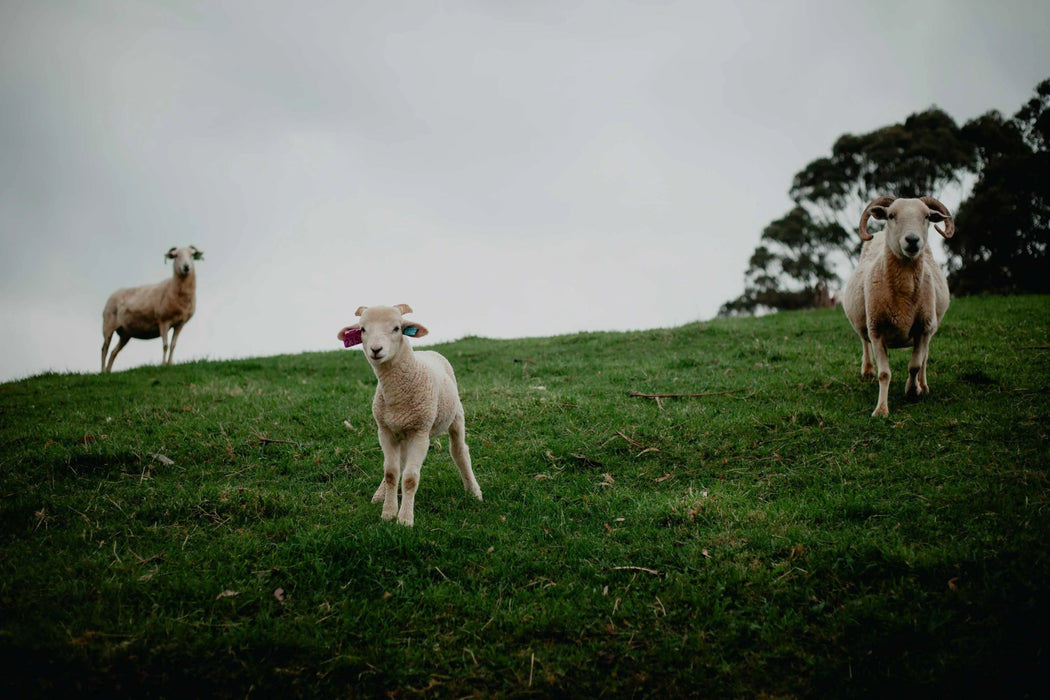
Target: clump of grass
<point>207,527</point>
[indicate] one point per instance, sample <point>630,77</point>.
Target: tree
<point>1002,242</point>
<point>793,268</point>
<point>802,253</point>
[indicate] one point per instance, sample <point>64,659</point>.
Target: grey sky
<point>507,168</point>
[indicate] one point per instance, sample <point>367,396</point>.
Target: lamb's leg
<point>391,473</point>
<point>415,451</point>
<point>380,494</point>
<point>882,361</point>
<point>916,387</point>
<point>867,367</point>
<point>461,456</point>
<point>123,341</point>
<point>175,330</point>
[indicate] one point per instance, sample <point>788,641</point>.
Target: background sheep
<point>898,294</point>
<point>150,310</point>
<point>416,399</point>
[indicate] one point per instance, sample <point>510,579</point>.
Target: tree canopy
<point>1002,238</point>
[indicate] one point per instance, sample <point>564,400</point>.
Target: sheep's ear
<point>350,335</point>
<point>414,330</point>
<point>170,255</point>
<point>360,310</point>
<point>197,254</point>
<point>403,308</point>
<point>878,213</point>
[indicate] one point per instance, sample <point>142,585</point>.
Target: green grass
<point>207,528</point>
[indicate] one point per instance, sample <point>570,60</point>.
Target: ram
<point>898,294</point>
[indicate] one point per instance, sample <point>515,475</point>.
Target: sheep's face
<point>907,224</point>
<point>383,330</point>
<point>182,260</point>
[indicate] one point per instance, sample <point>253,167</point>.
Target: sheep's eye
<point>891,216</point>
<point>362,329</point>
<point>397,329</point>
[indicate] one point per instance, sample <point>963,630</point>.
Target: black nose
<point>912,241</point>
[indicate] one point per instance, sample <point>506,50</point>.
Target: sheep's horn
<point>403,308</point>
<point>880,202</point>
<point>949,223</point>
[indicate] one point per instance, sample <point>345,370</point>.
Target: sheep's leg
<point>105,349</point>
<point>164,358</point>
<point>415,451</point>
<point>882,362</point>
<point>867,367</point>
<point>391,473</point>
<point>175,330</point>
<point>916,387</point>
<point>461,456</point>
<point>120,346</point>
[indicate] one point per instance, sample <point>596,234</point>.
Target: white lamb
<point>416,399</point>
<point>898,294</point>
<point>149,311</point>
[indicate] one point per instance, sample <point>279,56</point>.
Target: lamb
<point>150,310</point>
<point>898,294</point>
<point>416,399</point>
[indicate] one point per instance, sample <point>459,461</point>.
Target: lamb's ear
<point>360,310</point>
<point>414,330</point>
<point>350,334</point>
<point>170,255</point>
<point>403,308</point>
<point>197,254</point>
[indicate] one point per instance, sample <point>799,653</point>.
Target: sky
<point>508,169</point>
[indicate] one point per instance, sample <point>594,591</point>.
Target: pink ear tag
<point>352,337</point>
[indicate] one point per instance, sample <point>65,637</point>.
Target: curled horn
<point>949,223</point>
<point>170,254</point>
<point>880,202</point>
<point>403,308</point>
<point>360,310</point>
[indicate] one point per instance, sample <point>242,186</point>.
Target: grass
<point>207,528</point>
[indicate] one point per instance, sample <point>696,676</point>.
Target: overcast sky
<point>516,168</point>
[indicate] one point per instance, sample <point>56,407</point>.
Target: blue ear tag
<point>410,331</point>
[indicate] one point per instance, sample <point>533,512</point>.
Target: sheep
<point>150,310</point>
<point>898,294</point>
<point>416,399</point>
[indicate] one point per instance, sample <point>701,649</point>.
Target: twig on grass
<point>657,397</point>
<point>654,572</point>
<point>269,441</point>
<point>637,444</point>
<point>156,557</point>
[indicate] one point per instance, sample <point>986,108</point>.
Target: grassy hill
<point>207,527</point>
